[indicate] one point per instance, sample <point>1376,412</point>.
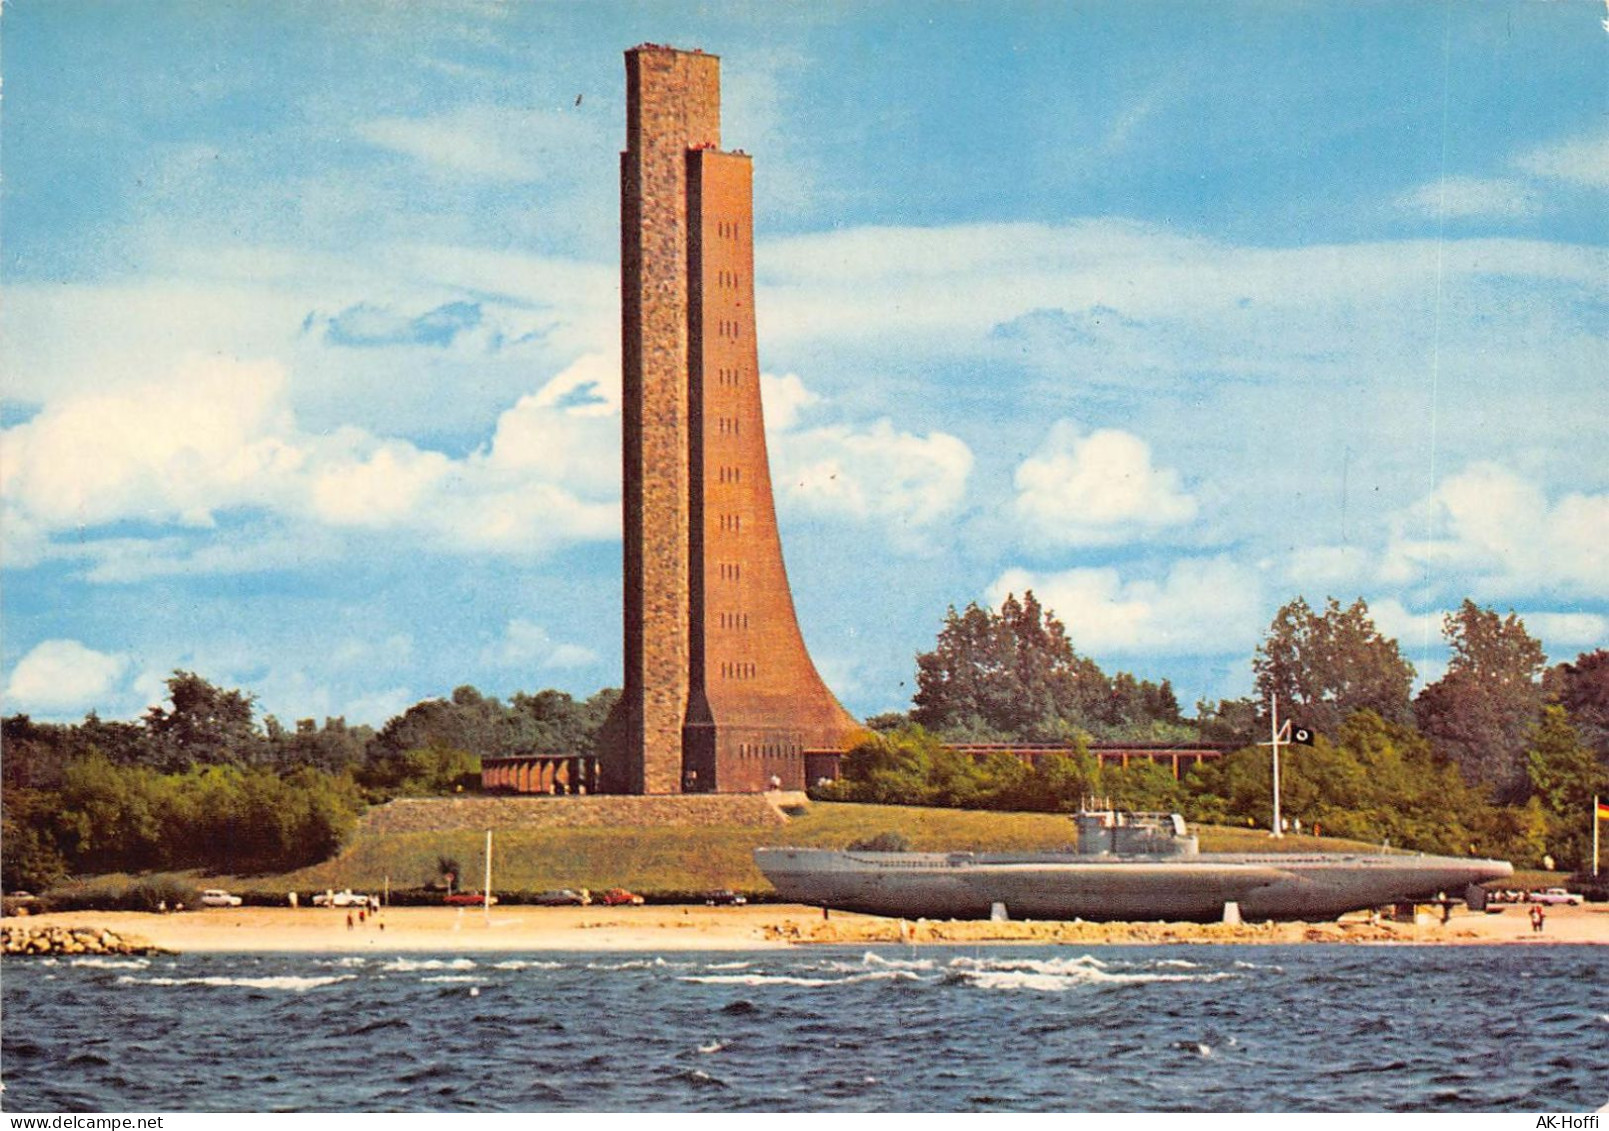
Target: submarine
<point>1126,867</point>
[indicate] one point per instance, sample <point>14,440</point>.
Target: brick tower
<point>720,694</point>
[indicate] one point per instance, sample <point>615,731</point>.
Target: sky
<point>1170,312</point>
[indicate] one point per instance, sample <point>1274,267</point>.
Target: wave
<point>297,983</point>
<point>1059,974</point>
<point>797,979</point>
<point>451,978</point>
<point>527,964</point>
<point>409,965</point>
<point>111,963</point>
<point>640,964</point>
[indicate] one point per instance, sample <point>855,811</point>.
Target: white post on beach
<point>486,892</point>
<point>1596,821</point>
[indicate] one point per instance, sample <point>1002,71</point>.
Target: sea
<point>1002,1029</point>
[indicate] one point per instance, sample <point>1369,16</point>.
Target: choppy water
<point>1216,1028</point>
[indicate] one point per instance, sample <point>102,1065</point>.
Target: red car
<point>469,899</point>
<point>620,897</point>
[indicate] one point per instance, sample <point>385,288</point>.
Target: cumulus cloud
<point>215,434</point>
<point>219,435</point>
<point>64,676</point>
<point>1501,535</point>
<point>526,644</point>
<point>1210,606</point>
<point>1096,489</point>
<point>875,474</point>
<point>784,398</point>
<point>1329,567</point>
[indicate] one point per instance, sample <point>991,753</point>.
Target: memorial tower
<point>720,693</point>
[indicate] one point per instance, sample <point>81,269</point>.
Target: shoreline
<point>270,930</point>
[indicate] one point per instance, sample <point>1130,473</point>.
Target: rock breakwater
<point>18,939</point>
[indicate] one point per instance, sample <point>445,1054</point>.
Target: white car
<point>340,899</point>
<point>1557,897</point>
<point>217,897</point>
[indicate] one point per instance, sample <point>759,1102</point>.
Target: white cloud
<point>1096,489</point>
<point>219,435</point>
<point>531,313</point>
<point>1419,635</point>
<point>212,436</point>
<point>58,676</point>
<point>378,708</point>
<point>1583,161</point>
<point>1498,534</point>
<point>784,399</point>
<point>1567,631</point>
<point>1210,606</point>
<point>1329,567</point>
<point>526,644</point>
<point>1460,197</point>
<point>875,475</point>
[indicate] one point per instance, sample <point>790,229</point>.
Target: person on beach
<point>349,923</point>
<point>1537,918</point>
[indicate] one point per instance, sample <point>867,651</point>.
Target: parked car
<point>563,898</point>
<point>1556,897</point>
<point>469,899</point>
<point>619,897</point>
<point>723,897</point>
<point>340,899</point>
<point>217,897</point>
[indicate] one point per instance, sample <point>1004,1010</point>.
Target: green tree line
<point>197,782</point>
<point>1501,755</point>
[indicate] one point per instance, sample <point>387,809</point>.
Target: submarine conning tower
<point>1113,832</point>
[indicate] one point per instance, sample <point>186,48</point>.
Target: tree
<point>1009,675</point>
<point>1582,689</point>
<point>1565,776</point>
<point>207,725</point>
<point>1326,666</point>
<point>1372,780</point>
<point>1480,714</point>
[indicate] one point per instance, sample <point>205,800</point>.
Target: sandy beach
<point>514,928</point>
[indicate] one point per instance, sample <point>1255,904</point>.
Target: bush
<point>883,842</point>
<point>153,892</point>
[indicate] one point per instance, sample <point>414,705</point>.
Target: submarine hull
<point>1113,888</point>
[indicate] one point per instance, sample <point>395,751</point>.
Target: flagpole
<point>1273,701</point>
<point>486,892</point>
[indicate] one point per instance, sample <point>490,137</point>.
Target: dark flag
<point>1301,736</point>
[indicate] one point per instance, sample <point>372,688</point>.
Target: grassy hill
<point>665,845</point>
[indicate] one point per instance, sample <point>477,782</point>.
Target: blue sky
<point>1170,311</point>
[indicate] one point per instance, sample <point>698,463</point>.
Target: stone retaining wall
<point>443,814</point>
